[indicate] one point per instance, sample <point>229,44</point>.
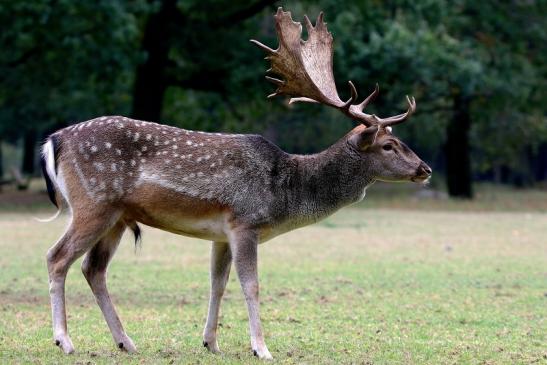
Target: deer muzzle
<point>422,173</point>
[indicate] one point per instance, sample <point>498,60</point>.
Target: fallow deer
<point>232,189</point>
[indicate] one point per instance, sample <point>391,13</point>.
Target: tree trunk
<point>540,163</point>
<point>150,82</point>
<point>1,165</point>
<point>29,152</point>
<point>457,150</point>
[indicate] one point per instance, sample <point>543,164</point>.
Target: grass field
<point>393,280</point>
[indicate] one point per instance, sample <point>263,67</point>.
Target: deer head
<point>305,68</point>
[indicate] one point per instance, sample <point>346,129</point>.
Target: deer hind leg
<point>244,246</point>
<point>80,236</point>
<point>94,268</point>
<point>221,260</point>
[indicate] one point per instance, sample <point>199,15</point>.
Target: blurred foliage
<point>64,61</point>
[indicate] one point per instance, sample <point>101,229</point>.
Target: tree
<point>197,63</point>
<point>63,61</point>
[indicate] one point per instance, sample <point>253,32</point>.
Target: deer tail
<point>48,162</point>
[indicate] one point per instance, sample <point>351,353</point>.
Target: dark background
<point>476,68</point>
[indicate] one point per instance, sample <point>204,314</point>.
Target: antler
<point>306,69</point>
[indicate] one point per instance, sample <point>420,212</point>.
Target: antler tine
<point>262,46</point>
<point>355,111</point>
<point>302,99</point>
<point>385,122</point>
<point>319,20</point>
<point>275,81</point>
<point>352,98</point>
<point>369,98</point>
<point>309,25</point>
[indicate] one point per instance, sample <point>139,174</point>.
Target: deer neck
<point>328,181</point>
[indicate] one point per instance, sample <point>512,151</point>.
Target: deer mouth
<point>422,179</point>
<point>423,174</point>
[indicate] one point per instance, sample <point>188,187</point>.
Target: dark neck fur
<point>324,182</point>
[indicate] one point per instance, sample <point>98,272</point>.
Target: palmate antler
<point>306,70</point>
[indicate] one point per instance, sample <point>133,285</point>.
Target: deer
<point>235,190</point>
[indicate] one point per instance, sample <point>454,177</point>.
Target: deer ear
<point>366,138</point>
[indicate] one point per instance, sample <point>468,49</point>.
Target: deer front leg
<point>244,245</point>
<point>221,260</point>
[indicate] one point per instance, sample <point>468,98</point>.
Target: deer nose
<point>424,169</point>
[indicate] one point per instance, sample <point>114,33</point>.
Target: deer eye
<point>387,147</point>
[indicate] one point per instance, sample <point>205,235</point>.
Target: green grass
<point>464,283</point>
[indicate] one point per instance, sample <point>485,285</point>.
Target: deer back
<point>112,158</point>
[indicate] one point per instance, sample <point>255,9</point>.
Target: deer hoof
<point>126,344</point>
<point>263,354</point>
<point>212,346</point>
<point>65,344</point>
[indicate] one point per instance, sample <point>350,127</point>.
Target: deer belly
<point>185,216</point>
<point>207,228</point>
